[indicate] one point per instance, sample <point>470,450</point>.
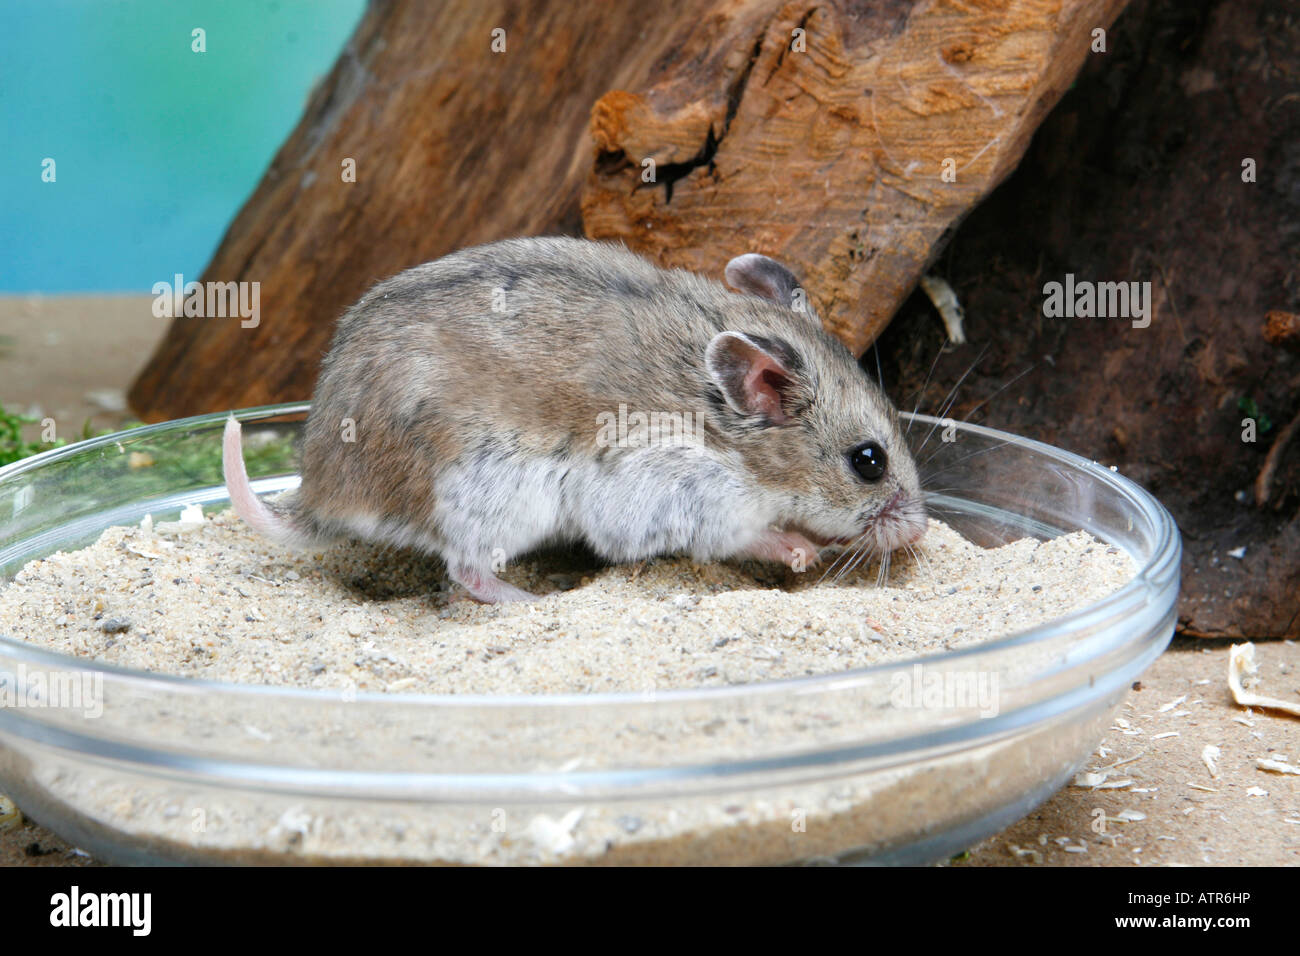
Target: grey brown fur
<point>477,432</point>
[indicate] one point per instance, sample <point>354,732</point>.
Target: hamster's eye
<point>869,461</point>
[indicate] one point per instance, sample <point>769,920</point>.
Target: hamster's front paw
<point>786,547</point>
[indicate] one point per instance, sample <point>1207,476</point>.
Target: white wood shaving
<point>555,836</point>
<point>1210,755</point>
<point>1276,766</point>
<point>191,520</point>
<point>1099,780</point>
<point>945,302</point>
<point>1243,673</point>
<point>1165,708</point>
<point>1025,854</point>
<point>1137,756</point>
<point>1124,727</point>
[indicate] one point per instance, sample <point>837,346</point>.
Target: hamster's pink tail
<point>246,504</point>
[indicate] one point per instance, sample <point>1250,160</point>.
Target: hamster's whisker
<point>862,552</point>
<point>836,566</point>
<point>843,571</point>
<point>843,555</point>
<point>943,410</point>
<point>831,567</point>
<point>919,556</point>
<point>1001,388</point>
<point>921,393</point>
<point>967,416</point>
<point>975,454</point>
<point>951,398</point>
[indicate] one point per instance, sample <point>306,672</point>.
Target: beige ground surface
<point>1243,815</point>
<point>69,358</point>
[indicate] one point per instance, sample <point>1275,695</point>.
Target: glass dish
<point>153,768</point>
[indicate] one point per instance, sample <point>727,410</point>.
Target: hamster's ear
<point>755,377</point>
<point>763,277</point>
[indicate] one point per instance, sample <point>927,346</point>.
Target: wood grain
<point>831,157</point>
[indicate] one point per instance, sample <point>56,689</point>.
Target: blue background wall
<point>156,146</point>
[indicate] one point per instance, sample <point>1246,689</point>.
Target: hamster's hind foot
<point>487,587</point>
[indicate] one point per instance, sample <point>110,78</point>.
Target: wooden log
<point>846,139</point>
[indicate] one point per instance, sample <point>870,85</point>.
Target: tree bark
<point>844,139</point>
